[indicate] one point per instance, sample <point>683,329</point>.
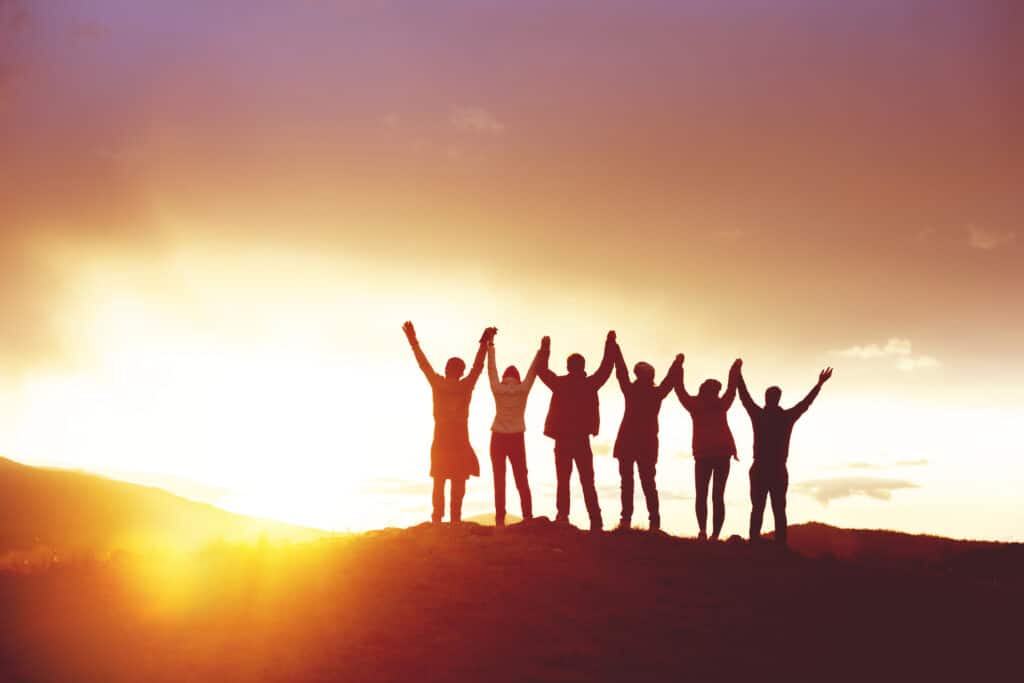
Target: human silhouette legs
<point>438,500</point>
<point>576,450</point>
<point>702,478</point>
<point>713,472</point>
<point>458,493</point>
<point>585,468</point>
<point>758,498</point>
<point>517,458</point>
<point>512,447</point>
<point>778,491</point>
<point>721,475</point>
<point>647,472</point>
<point>626,475</point>
<point>499,447</point>
<point>563,472</point>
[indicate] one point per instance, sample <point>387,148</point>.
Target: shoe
<point>562,520</point>
<point>702,536</point>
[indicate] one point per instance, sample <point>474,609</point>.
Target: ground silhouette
<point>534,601</point>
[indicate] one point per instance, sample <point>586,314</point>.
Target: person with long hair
<point>508,441</point>
<point>713,446</point>
<point>451,455</point>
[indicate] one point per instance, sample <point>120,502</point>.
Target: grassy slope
<point>69,511</point>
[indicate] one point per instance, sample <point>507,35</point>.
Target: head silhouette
<point>772,396</point>
<point>644,372</point>
<point>576,364</point>
<point>710,388</point>
<point>454,368</point>
<point>511,375</point>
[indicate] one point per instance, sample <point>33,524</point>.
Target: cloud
<point>475,119</point>
<point>987,239</point>
<point>896,349</point>
<point>884,465</point>
<point>827,490</point>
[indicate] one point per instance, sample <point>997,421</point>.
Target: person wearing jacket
<point>773,427</point>
<point>573,417</point>
<point>451,455</point>
<point>713,446</point>
<point>507,432</point>
<point>637,440</point>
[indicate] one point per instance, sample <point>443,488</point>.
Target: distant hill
<point>73,511</point>
<point>878,546</point>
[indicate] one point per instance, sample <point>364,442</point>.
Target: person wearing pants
<point>507,432</point>
<point>773,427</point>
<point>451,455</point>
<point>574,416</point>
<point>713,446</point>
<point>637,441</point>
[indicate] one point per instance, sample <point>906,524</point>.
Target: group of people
<point>574,416</point>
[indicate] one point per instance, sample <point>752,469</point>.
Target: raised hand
<point>736,366</point>
<point>824,376</point>
<point>488,336</point>
<point>410,331</point>
<point>611,337</point>
<point>680,358</point>
<point>545,343</point>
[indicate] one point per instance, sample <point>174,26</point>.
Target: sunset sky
<point>216,214</point>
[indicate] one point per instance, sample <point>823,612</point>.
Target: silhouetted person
<point>573,417</point>
<point>713,446</point>
<point>773,426</point>
<point>637,441</point>
<point>507,432</point>
<point>451,455</point>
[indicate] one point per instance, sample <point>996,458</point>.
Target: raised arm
<point>604,371</point>
<point>531,374</point>
<point>621,372</point>
<point>801,407</point>
<point>421,358</point>
<point>745,398</point>
<point>492,369</point>
<point>680,387</point>
<point>671,377</point>
<point>478,360</point>
<point>543,356</point>
<point>730,391</point>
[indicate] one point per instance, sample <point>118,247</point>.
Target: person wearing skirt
<point>451,455</point>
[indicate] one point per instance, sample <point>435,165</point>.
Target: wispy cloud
<point>987,239</point>
<point>827,490</point>
<point>475,119</point>
<point>886,465</point>
<point>896,349</point>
